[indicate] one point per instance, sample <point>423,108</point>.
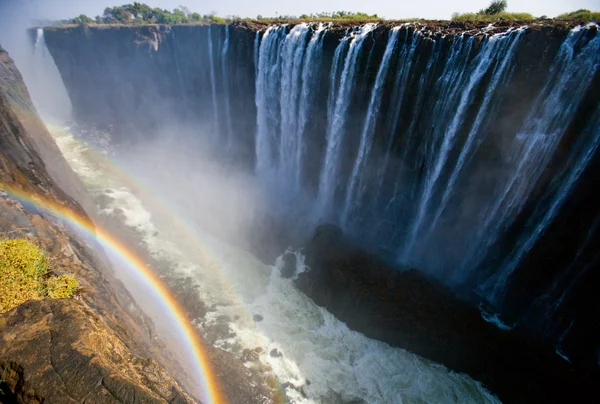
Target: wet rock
<point>288,269</point>
<point>410,310</point>
<point>250,355</point>
<point>275,353</point>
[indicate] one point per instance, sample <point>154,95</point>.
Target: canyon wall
<point>466,151</point>
<point>98,345</point>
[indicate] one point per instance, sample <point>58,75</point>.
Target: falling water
<point>292,57</point>
<point>558,105</point>
<point>267,97</point>
<point>463,90</point>
<point>225,74</point>
<point>213,80</point>
<point>366,138</point>
<point>503,52</point>
<point>310,75</point>
<point>548,120</point>
<point>335,131</point>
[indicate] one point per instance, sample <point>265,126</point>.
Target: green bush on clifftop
<point>581,15</point>
<point>24,275</point>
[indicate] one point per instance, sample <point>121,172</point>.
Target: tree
<point>495,7</point>
<point>82,19</point>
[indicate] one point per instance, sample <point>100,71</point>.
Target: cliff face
<point>467,151</point>
<point>65,350</point>
<point>141,79</point>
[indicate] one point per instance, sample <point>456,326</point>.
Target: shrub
<point>495,7</point>
<point>581,15</point>
<point>491,18</point>
<point>82,19</point>
<point>24,275</point>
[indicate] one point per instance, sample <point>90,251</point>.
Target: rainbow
<point>209,385</point>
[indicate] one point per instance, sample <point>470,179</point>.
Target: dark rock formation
<point>407,309</point>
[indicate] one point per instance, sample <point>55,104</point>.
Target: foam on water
<point>321,360</point>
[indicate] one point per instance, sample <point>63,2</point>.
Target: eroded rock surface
<point>59,350</point>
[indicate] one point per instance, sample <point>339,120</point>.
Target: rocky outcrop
<point>30,163</point>
<point>59,351</point>
<point>410,310</point>
<point>26,143</point>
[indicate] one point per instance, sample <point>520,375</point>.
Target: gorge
<point>467,151</point>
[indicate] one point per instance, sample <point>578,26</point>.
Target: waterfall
<point>288,71</point>
<point>559,100</point>
<point>503,51</point>
<point>256,53</point>
<point>267,97</point>
<point>225,74</point>
<point>292,62</point>
<point>570,75</point>
<point>366,138</point>
<point>45,84</point>
<point>213,80</point>
<point>454,86</point>
<point>310,75</point>
<point>395,207</point>
<point>335,131</point>
<point>444,96</point>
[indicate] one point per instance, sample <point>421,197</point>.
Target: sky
<point>391,9</point>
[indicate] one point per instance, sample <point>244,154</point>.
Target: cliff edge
<point>88,348</point>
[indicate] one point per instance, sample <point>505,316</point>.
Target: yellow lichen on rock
<point>24,275</point>
<point>61,287</point>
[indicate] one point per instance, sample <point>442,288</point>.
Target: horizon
<point>437,10</point>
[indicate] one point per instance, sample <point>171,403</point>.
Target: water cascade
<point>213,80</point>
<point>225,73</point>
<point>339,108</point>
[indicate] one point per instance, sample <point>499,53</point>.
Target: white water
<point>541,134</point>
<point>225,74</point>
<point>503,52</point>
<point>341,365</point>
<point>213,80</point>
<point>368,131</point>
<point>447,131</point>
<point>292,62</point>
<point>335,132</point>
<point>268,78</point>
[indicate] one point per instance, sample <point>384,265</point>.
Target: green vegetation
<point>495,7</point>
<point>24,275</point>
<point>493,17</point>
<point>139,13</point>
<point>495,11</point>
<point>581,15</point>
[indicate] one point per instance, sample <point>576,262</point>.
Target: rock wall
<point>38,340</point>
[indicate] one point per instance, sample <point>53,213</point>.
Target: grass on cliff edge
<point>24,275</point>
<point>481,17</point>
